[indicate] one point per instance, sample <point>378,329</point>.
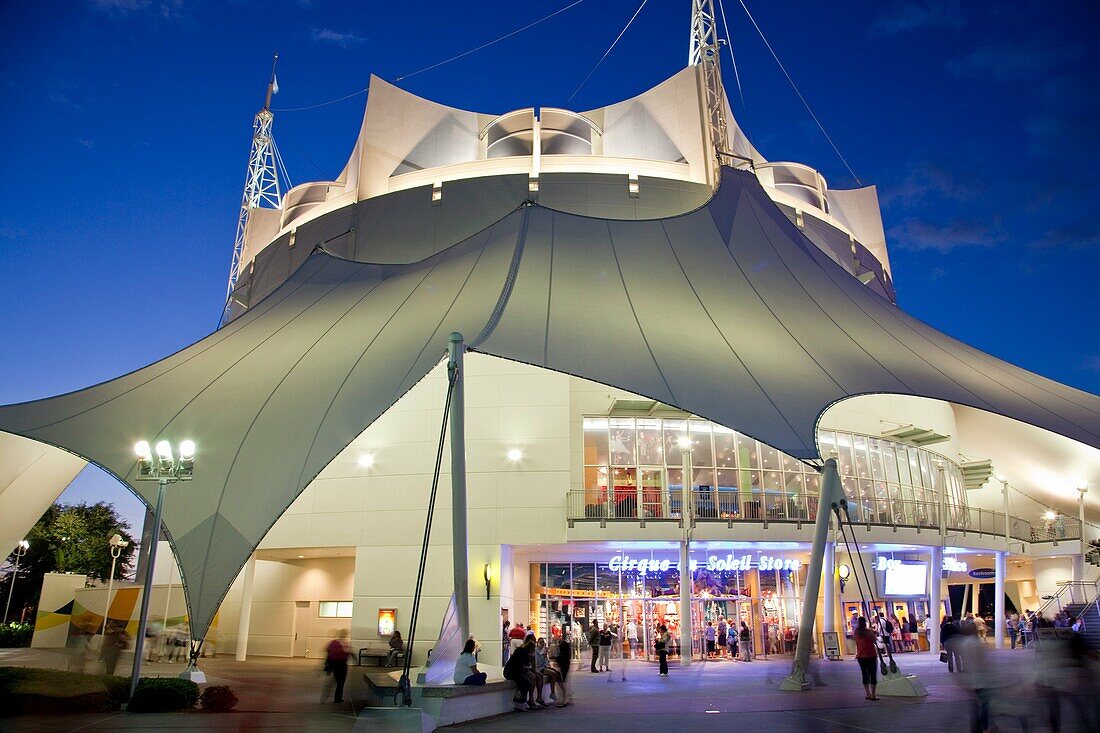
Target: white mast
<point>703,51</point>
<point>261,184</point>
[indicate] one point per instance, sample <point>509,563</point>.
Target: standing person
<point>617,647</point>
<point>949,629</point>
<point>397,645</point>
<point>731,640</point>
<point>594,643</point>
<point>607,637</point>
<point>745,643</point>
<point>466,671</point>
<point>563,660</point>
<point>661,647</point>
<point>1013,630</point>
<point>113,644</point>
<point>867,657</point>
<point>632,637</point>
<point>505,644</point>
<point>721,642</point>
<point>710,634</point>
<point>336,664</point>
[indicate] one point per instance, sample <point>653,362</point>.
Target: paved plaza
<point>284,695</point>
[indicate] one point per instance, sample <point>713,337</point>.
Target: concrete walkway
<point>284,695</point>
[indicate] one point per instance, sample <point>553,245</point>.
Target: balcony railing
<point>708,505</point>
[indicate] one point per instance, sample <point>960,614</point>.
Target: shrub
<point>163,695</point>
<point>51,691</point>
<point>218,699</point>
<point>15,634</point>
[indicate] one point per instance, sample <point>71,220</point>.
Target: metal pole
<point>455,350</point>
<point>831,493</point>
<point>110,587</point>
<point>1079,558</point>
<point>1000,567</point>
<point>1004,492</point>
<point>686,579</point>
<point>829,597</point>
<point>147,590</point>
<point>11,586</point>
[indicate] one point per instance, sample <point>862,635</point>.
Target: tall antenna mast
<point>703,51</point>
<point>261,184</point>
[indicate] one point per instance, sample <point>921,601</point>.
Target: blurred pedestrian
<point>336,664</point>
<point>113,643</point>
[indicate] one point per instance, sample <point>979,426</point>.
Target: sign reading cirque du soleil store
<point>729,563</point>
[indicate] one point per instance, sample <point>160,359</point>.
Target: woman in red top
<point>867,656</point>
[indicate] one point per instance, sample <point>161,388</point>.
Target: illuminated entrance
<point>636,593</point>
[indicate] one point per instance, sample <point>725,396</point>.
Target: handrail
<point>1072,587</point>
<point>656,504</point>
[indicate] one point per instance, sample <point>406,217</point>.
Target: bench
<point>379,654</point>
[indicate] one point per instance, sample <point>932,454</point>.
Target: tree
<point>70,538</point>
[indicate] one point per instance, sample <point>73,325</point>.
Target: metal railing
<point>653,504</point>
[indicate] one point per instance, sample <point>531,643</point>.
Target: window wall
<point>633,469</point>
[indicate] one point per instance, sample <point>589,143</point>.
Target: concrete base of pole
<point>896,684</point>
<point>194,674</point>
<point>795,682</point>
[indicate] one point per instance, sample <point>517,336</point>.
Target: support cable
<point>608,51</point>
<point>439,63</point>
<point>404,685</point>
<point>893,667</point>
<point>796,91</point>
<point>736,73</point>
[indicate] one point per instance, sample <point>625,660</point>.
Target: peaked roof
<point>727,312</point>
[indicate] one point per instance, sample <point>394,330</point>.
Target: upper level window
<point>334,609</point>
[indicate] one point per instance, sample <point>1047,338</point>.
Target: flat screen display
<point>907,579</point>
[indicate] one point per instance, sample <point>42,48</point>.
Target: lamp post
<point>117,546</point>
<point>164,469</point>
<point>20,551</point>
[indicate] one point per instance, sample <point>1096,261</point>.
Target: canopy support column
<point>246,609</point>
<point>455,350</point>
<point>999,600</point>
<point>831,495</point>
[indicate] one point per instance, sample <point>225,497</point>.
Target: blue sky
<point>127,123</point>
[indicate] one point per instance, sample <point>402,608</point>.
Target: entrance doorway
<point>300,631</point>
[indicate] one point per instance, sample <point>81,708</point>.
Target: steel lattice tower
<point>261,184</point>
<point>703,51</point>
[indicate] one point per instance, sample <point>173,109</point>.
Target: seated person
<point>518,670</point>
<point>550,675</point>
<point>466,672</point>
<point>397,645</point>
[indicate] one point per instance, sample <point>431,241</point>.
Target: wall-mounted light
<point>487,572</point>
<point>366,460</point>
<point>515,454</point>
<point>844,572</point>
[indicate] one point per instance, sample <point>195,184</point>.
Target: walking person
<point>661,647</point>
<point>336,664</point>
<point>867,657</point>
<point>949,629</point>
<point>632,637</point>
<point>113,644</point>
<point>746,642</point>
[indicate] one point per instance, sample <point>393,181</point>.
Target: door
<point>303,614</point>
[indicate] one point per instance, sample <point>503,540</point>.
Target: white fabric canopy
<point>727,312</point>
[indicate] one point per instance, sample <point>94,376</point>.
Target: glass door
<point>652,498</point>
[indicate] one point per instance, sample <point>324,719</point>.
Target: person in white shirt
<point>466,672</point>
<point>632,636</point>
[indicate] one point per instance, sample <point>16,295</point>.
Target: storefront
<point>640,590</point>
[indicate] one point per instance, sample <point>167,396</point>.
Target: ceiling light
<point>301,557</point>
<point>366,460</point>
<point>515,454</point>
<point>142,450</point>
<point>1049,514</point>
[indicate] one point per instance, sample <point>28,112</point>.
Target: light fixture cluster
<point>166,464</point>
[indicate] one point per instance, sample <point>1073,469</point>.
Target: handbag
<point>943,657</point>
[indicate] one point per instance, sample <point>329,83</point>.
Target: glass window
<point>813,484</point>
<point>595,478</point>
<point>790,463</point>
<point>558,579</point>
<point>889,462</point>
<point>607,582</point>
<point>746,452</point>
<point>650,445</point>
<point>725,447</point>
<point>876,459</point>
<point>701,453</point>
<point>595,441</point>
<point>673,431</point>
<point>334,609</point>
<point>584,579</point>
<point>844,457</point>
<point>769,458</point>
<point>861,463</point>
<point>625,495</point>
<point>727,480</point>
<point>794,483</point>
<point>826,440</point>
<point>622,441</point>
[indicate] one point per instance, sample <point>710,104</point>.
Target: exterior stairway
<point>1091,614</point>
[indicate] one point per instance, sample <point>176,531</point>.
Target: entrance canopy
<point>727,312</point>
